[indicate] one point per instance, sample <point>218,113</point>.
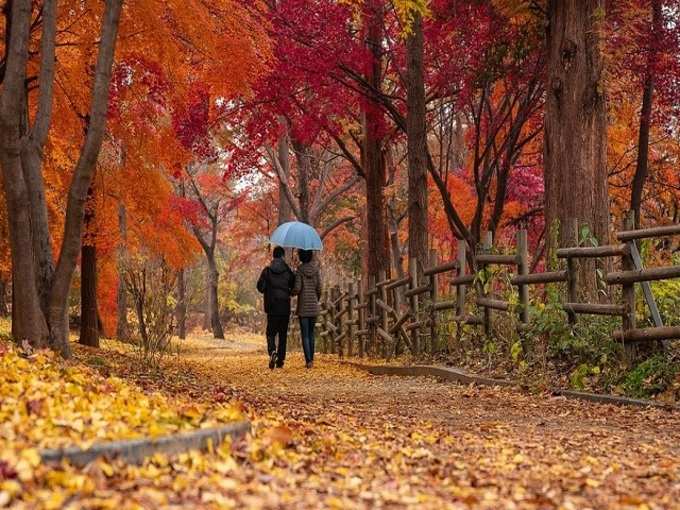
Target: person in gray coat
<point>308,290</point>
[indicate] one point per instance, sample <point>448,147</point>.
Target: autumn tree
<point>41,292</point>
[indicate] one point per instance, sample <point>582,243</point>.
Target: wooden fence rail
<point>386,314</point>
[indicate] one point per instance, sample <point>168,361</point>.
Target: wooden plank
<point>399,283</point>
<point>641,275</point>
<point>594,308</point>
<point>646,287</point>
<point>340,297</point>
<point>387,308</point>
<point>418,290</point>
<point>539,278</point>
<point>416,325</point>
<point>445,305</point>
<point>494,304</point>
<point>441,268</point>
<point>385,335</point>
<point>464,279</point>
<point>491,258</point>
<point>644,233</point>
<point>608,250</point>
<point>400,322</point>
<point>468,319</point>
<point>648,334</point>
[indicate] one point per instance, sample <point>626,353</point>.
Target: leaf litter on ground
<point>335,437</point>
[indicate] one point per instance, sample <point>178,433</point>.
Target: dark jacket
<point>276,283</point>
<point>308,289</point>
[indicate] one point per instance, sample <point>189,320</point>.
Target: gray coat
<point>308,290</point>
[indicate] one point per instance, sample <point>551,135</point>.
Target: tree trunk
<point>28,321</point>
<point>122,326</point>
<point>374,161</point>
<point>645,120</point>
<point>304,156</point>
<point>4,311</point>
<point>285,209</point>
<point>82,179</point>
<point>416,142</point>
<point>181,305</point>
<point>18,147</point>
<point>576,129</point>
<point>395,247</point>
<point>89,323</point>
<point>31,156</point>
<point>213,297</point>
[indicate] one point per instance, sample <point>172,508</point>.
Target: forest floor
<point>335,437</point>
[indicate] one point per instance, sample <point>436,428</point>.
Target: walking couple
<point>278,283</point>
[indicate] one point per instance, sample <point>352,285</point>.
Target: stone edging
<point>134,451</point>
<point>460,376</point>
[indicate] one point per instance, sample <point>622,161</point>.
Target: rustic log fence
<point>384,314</point>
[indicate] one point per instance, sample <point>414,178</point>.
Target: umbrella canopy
<point>295,234</point>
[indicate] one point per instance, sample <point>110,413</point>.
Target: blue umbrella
<point>296,234</point>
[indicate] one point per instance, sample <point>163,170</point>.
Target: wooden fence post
<point>572,290</point>
<point>462,270</point>
<point>487,244</point>
<point>323,332</point>
<point>350,322</point>
<point>334,318</point>
<point>523,270</point>
<point>362,319</point>
<point>434,261</point>
<point>372,319</point>
<point>415,337</point>
<point>628,293</point>
<point>384,319</point>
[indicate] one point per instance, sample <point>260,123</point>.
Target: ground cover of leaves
<point>48,403</point>
<point>335,437</point>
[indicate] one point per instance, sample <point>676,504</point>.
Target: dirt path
<point>336,437</point>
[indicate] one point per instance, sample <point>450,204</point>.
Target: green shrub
<point>667,297</point>
<point>650,377</point>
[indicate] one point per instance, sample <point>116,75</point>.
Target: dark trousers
<point>277,326</point>
<point>307,329</point>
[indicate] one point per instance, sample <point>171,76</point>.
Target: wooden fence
<point>385,315</point>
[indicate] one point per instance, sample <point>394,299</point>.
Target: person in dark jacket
<point>276,283</point>
<point>308,289</point>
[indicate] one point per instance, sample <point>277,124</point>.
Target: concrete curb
<point>446,373</point>
<point>134,451</point>
<point>600,398</point>
<point>460,376</point>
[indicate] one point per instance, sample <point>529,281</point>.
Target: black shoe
<point>309,364</point>
<point>272,360</point>
<point>279,365</point>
